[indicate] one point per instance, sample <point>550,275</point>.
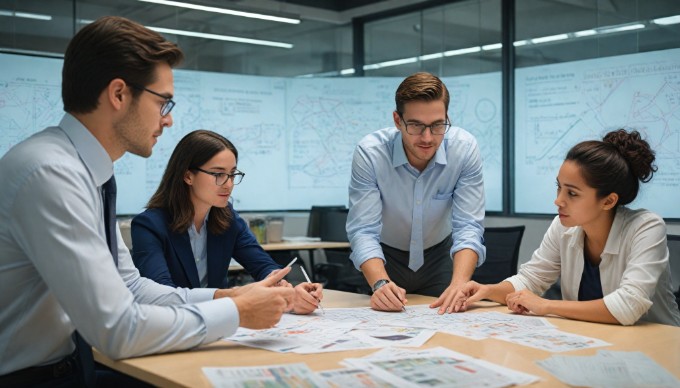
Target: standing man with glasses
<point>416,201</point>
<point>66,277</point>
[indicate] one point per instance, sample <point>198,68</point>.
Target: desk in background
<point>183,369</point>
<point>309,246</point>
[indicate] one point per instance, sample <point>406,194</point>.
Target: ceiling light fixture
<point>667,20</point>
<point>222,37</point>
<point>225,11</point>
<point>626,27</point>
<point>26,15</point>
<point>551,38</point>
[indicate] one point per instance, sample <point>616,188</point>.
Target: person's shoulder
<point>637,218</point>
<point>459,135</point>
<point>47,147</point>
<point>155,216</point>
<point>379,138</point>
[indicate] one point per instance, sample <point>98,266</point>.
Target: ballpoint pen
<point>310,282</point>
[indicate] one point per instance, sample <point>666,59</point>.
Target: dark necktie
<point>83,349</point>
<point>109,195</point>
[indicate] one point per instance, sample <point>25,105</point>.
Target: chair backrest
<point>674,258</point>
<point>328,223</point>
<point>502,253</point>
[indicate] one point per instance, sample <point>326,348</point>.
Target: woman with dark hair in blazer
<point>190,231</point>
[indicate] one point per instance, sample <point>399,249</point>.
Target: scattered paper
<point>609,369</point>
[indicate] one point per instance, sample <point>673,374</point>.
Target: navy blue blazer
<point>166,257</point>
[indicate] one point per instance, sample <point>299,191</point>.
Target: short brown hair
<point>111,47</point>
<point>421,87</point>
<point>194,150</point>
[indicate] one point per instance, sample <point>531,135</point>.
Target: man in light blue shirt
<point>57,271</point>
<point>416,200</point>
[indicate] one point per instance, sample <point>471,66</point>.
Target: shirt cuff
<point>221,318</point>
<point>198,295</point>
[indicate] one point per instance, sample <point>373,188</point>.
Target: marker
<point>310,282</point>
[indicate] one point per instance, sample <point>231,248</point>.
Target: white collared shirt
<point>634,270</point>
<point>57,273</point>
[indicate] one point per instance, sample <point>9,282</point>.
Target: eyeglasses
<point>437,129</point>
<point>167,106</point>
<point>222,177</point>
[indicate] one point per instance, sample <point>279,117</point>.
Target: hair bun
<point>636,151</point>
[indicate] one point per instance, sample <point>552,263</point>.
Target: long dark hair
<point>617,164</point>
<point>194,150</point>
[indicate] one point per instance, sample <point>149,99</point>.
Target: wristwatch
<point>379,284</point>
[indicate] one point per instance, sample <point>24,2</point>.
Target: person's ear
<point>188,178</point>
<point>115,93</point>
<point>397,119</point>
<point>610,201</point>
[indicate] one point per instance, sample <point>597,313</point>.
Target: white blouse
<point>635,271</point>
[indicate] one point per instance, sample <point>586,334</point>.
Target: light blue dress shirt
<point>392,202</point>
<point>199,247</point>
<point>57,273</point>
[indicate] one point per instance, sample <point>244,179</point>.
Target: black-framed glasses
<point>437,129</point>
<point>222,177</point>
<point>167,106</point>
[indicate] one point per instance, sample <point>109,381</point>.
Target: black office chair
<point>674,259</point>
<point>502,253</point>
<point>338,272</point>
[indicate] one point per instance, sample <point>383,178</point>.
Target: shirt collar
<point>192,227</point>
<point>91,152</point>
<point>399,155</point>
<point>614,239</point>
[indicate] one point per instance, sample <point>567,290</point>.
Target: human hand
<point>389,297</point>
<point>525,301</point>
<point>308,296</point>
<point>282,282</point>
<point>451,300</point>
<point>263,304</point>
<point>468,294</point>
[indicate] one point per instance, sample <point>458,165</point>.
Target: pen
<point>310,282</point>
<point>291,262</point>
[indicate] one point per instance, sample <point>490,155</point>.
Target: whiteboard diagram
<point>559,105</point>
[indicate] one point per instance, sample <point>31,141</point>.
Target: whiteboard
<point>559,105</point>
<point>295,136</point>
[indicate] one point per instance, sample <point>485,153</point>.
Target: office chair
<point>502,253</point>
<point>338,272</point>
<point>673,241</point>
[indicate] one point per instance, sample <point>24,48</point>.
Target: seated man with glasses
<point>190,231</point>
<point>416,201</point>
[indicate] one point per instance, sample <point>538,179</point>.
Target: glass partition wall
<point>576,69</point>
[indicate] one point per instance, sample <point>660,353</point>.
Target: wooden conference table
<point>183,369</point>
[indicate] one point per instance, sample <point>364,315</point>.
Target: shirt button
<point>417,202</point>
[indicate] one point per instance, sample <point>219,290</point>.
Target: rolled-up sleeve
<point>364,222</point>
<point>467,212</point>
<point>648,259</point>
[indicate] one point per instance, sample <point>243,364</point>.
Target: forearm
<point>374,270</point>
<point>591,311</point>
<point>225,293</point>
<point>498,291</point>
<point>464,264</point>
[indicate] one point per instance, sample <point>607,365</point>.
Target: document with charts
<point>361,328</point>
